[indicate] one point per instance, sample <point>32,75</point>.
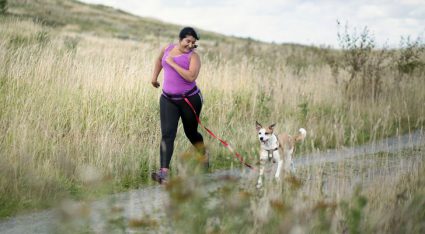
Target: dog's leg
<point>289,164</point>
<point>293,169</point>
<point>277,158</point>
<point>263,159</point>
<point>260,176</point>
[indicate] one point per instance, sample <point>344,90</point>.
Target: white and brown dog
<point>272,146</point>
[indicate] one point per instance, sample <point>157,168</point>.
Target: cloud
<point>295,21</point>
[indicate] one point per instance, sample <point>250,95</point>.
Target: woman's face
<point>187,44</point>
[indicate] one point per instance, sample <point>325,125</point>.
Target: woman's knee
<point>168,135</point>
<point>195,137</point>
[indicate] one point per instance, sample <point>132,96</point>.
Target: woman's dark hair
<point>188,31</point>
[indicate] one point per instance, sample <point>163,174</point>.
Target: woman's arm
<point>157,69</point>
<point>194,67</point>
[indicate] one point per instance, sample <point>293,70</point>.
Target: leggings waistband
<point>189,93</point>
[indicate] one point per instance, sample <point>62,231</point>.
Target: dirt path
<point>148,203</point>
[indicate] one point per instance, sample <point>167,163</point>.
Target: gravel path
<point>139,205</point>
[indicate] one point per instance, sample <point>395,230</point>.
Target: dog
<point>272,146</point>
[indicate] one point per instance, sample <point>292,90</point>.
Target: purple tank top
<point>174,83</point>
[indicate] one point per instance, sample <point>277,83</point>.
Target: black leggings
<point>170,113</point>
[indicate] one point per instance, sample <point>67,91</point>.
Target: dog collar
<point>270,153</point>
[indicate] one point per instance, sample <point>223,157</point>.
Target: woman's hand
<point>169,60</point>
<point>155,83</point>
<point>188,74</point>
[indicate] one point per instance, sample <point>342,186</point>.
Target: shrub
<point>3,7</point>
<point>364,64</point>
<point>410,57</point>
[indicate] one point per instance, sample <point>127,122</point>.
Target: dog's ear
<point>271,127</point>
<point>258,126</point>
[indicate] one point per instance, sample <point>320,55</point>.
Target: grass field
<point>78,110</point>
<point>367,193</point>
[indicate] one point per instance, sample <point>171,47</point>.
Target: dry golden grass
<point>361,195</point>
<point>71,101</point>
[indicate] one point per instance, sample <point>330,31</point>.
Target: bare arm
<point>157,69</point>
<point>194,67</point>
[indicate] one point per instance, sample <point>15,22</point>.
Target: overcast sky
<point>287,21</point>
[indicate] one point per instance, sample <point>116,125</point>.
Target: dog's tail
<point>301,135</point>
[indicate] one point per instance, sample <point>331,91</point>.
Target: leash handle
<point>223,142</point>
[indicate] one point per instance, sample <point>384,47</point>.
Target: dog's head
<point>264,134</point>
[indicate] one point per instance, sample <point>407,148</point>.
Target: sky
<point>287,21</point>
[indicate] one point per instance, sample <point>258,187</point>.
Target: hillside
<point>79,117</point>
<point>70,17</point>
<point>99,20</point>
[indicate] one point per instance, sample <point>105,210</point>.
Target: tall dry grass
<point>377,193</point>
<point>367,194</point>
<point>65,107</point>
<point>75,101</point>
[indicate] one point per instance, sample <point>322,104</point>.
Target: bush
<point>410,57</point>
<point>363,62</point>
<point>3,6</point>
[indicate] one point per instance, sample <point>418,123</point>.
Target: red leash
<point>223,142</point>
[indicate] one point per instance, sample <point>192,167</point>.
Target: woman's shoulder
<point>168,47</point>
<point>194,54</point>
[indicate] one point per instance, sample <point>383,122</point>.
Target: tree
<point>3,6</point>
<point>364,63</point>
